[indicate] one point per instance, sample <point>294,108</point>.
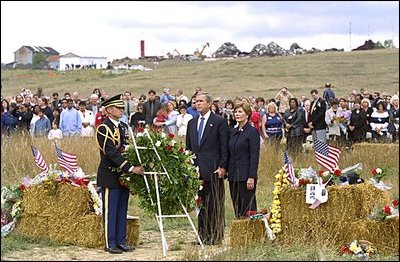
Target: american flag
<point>67,161</point>
<point>39,159</point>
<point>327,155</point>
<point>289,169</point>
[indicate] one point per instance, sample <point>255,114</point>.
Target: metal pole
<point>159,218</point>
<point>194,228</point>
<point>140,161</point>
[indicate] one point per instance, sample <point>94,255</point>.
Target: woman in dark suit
<point>244,151</point>
<point>358,123</point>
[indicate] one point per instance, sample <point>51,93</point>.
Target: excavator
<point>199,54</point>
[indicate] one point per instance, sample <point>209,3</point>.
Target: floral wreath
<point>179,187</point>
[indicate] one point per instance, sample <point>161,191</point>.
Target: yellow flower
<point>278,176</point>
<point>276,202</point>
<point>277,184</point>
<point>276,191</point>
<point>353,246</point>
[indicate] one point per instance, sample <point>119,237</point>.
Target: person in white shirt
<point>55,132</point>
<point>182,121</point>
<point>87,118</point>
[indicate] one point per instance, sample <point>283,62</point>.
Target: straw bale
<point>78,230</point>
<point>245,232</point>
<point>32,226</point>
<point>345,204</point>
<point>384,235</point>
<point>67,200</point>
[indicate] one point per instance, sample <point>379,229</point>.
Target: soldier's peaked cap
<point>114,101</point>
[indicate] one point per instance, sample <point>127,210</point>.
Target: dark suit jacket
<point>244,152</point>
<point>111,141</point>
<point>148,117</point>
<point>317,114</point>
<point>213,150</point>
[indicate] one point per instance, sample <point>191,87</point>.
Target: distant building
<point>53,62</point>
<point>26,54</point>
<point>71,61</point>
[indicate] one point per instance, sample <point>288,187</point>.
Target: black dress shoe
<point>113,250</point>
<point>126,248</point>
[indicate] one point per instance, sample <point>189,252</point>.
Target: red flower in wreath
<point>181,150</point>
<point>320,172</point>
<point>170,135</point>
<point>395,203</point>
<point>169,147</point>
<point>374,172</point>
<point>140,129</point>
<point>22,187</point>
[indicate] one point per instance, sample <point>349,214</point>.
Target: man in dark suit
<point>150,107</point>
<point>111,139</point>
<point>317,117</point>
<point>207,137</point>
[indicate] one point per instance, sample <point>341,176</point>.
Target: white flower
<point>128,178</point>
<point>173,142</point>
<point>163,135</point>
<point>139,134</point>
<point>187,152</point>
<point>200,188</point>
<point>378,170</point>
<point>158,143</point>
<point>197,169</point>
<point>196,197</point>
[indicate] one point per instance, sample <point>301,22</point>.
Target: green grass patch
<point>16,242</point>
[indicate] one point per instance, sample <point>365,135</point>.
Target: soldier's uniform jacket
<point>111,141</point>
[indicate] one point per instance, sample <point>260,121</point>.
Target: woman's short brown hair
<point>246,107</point>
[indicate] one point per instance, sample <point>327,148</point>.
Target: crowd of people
<point>225,134</point>
<point>359,117</point>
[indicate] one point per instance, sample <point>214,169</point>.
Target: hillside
<point>375,70</point>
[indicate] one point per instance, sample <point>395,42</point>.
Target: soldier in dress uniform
<point>111,137</point>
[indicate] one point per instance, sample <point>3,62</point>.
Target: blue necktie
<point>200,130</point>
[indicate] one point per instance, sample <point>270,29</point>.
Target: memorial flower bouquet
<point>159,152</point>
<point>358,248</point>
<point>386,212</point>
<point>380,172</point>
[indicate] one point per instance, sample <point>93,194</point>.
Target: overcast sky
<point>114,29</point>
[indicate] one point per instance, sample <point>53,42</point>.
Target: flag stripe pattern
<point>39,159</point>
<point>67,161</point>
<point>289,169</point>
<point>327,155</point>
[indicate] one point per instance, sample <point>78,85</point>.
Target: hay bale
<point>84,231</point>
<point>245,232</point>
<point>384,235</point>
<point>345,204</point>
<point>66,201</point>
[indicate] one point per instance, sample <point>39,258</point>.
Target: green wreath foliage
<point>183,183</point>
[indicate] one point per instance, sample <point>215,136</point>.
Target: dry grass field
<point>375,70</point>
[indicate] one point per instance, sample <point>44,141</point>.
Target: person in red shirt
<point>99,117</point>
<point>255,117</point>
